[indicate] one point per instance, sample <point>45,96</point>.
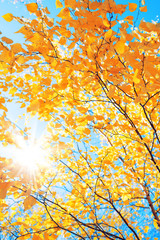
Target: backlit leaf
<point>16,47</point>
<point>146,229</point>
<point>46,81</point>
<point>120,47</point>
<point>29,202</point>
<point>8,17</point>
<point>4,186</point>
<point>12,90</point>
<point>106,23</point>
<point>132,7</point>
<point>108,34</point>
<point>64,14</point>
<point>7,40</point>
<point>59,4</point>
<point>22,105</point>
<point>87,131</point>
<point>36,237</point>
<point>135,79</point>
<point>32,7</point>
<point>143,9</point>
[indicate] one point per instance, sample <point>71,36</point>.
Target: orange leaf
<point>3,189</point>
<point>58,4</point>
<point>132,7</point>
<point>47,236</point>
<point>46,81</point>
<point>32,7</point>
<point>65,14</point>
<point>2,100</point>
<point>158,154</point>
<point>7,40</point>
<point>16,48</point>
<point>36,237</point>
<point>143,9</point>
<point>87,131</point>
<point>58,125</point>
<point>29,202</point>
<point>46,11</point>
<point>34,106</point>
<point>5,109</point>
<point>8,17</point>
<point>129,18</point>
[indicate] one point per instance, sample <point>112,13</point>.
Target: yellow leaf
<point>135,79</point>
<point>58,125</point>
<point>155,223</point>
<point>125,197</point>
<point>120,46</point>
<point>22,105</point>
<point>20,223</point>
<point>12,90</point>
<point>4,144</point>
<point>32,7</point>
<point>132,7</point>
<point>108,34</point>
<point>58,4</point>
<point>106,23</point>
<point>8,17</point>
<point>143,9</point>
<point>146,229</point>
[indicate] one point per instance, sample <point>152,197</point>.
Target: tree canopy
<point>92,74</point>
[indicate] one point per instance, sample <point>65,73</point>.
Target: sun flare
<point>29,155</point>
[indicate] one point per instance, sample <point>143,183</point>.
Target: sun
<point>29,155</point>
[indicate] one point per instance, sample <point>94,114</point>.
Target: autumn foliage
<point>93,75</point>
